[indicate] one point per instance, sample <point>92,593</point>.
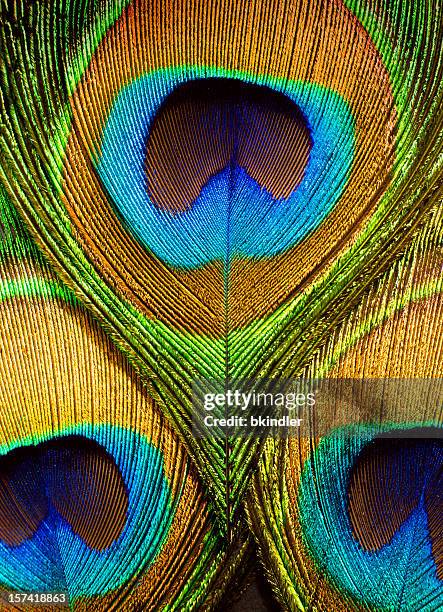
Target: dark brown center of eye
<point>208,125</point>
<point>75,475</point>
<point>389,479</point>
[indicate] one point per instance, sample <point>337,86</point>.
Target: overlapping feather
<point>98,497</point>
<point>390,335</point>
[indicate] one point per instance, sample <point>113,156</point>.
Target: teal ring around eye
<point>221,223</point>
<point>370,577</point>
<point>56,559</point>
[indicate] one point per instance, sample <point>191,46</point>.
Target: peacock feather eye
<point>215,158</point>
<point>383,498</point>
<point>82,504</point>
<point>408,474</point>
<point>225,167</point>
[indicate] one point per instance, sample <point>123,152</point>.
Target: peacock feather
<point>95,487</point>
<point>219,191</point>
<point>354,521</point>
